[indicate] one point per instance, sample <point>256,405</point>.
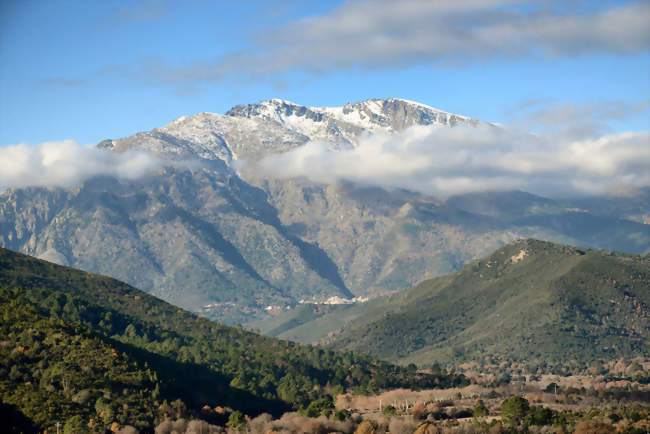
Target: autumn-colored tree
<point>366,427</point>
<point>419,411</point>
<point>427,428</point>
<point>594,427</point>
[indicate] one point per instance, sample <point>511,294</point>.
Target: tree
<point>236,421</point>
<point>480,410</point>
<point>540,416</point>
<point>514,409</point>
<point>552,388</point>
<point>337,390</point>
<point>75,424</point>
<point>320,406</point>
<point>130,331</point>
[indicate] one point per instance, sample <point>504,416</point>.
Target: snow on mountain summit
<point>393,114</point>
<point>274,126</point>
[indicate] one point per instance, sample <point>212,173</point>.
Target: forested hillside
<point>530,300</point>
<point>74,343</point>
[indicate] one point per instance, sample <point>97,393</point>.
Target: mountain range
<point>210,233</point>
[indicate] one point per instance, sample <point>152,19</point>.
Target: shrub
<point>402,425</point>
<point>236,421</point>
<point>427,428</point>
<point>342,414</point>
<point>593,427</point>
<point>313,426</point>
<point>389,410</point>
<point>260,423</point>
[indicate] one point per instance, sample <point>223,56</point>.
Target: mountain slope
<point>194,237</point>
<point>528,300</point>
<point>150,351</point>
<point>388,240</point>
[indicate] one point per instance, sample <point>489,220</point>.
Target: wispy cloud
<point>447,161</point>
<point>67,163</point>
<point>573,120</point>
<point>601,112</point>
<point>388,34</point>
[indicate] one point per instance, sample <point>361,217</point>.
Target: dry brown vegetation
<point>587,404</point>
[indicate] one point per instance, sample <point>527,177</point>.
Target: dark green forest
<point>78,347</point>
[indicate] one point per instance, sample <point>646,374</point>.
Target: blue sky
<point>90,70</point>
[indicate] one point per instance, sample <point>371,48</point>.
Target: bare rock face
<point>200,236</point>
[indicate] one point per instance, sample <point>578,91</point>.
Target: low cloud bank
<point>67,163</point>
<point>440,161</point>
<point>445,161</point>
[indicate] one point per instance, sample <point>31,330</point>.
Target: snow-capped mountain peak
<point>394,114</point>
<point>274,126</point>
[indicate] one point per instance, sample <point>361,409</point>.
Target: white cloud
<point>395,34</point>
<point>444,161</point>
<point>67,163</point>
<point>385,33</point>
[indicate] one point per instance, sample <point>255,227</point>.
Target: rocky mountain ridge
<point>249,132</point>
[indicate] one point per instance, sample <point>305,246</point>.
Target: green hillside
<point>530,300</point>
<point>55,371</point>
<point>75,343</point>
